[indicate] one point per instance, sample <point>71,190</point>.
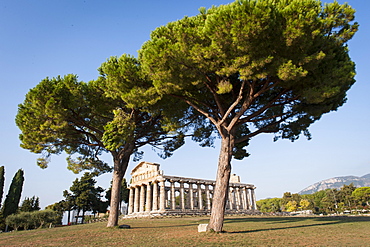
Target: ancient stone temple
<point>153,193</point>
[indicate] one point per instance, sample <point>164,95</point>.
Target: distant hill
<point>336,183</point>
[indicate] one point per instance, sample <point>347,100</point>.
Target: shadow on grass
<point>321,221</point>
<point>277,219</point>
<point>299,221</point>
<point>168,226</point>
<point>284,228</point>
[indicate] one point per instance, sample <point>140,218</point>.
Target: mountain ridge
<point>336,183</point>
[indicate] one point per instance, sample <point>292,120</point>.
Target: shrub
<point>36,219</point>
<point>45,217</point>
<point>14,221</point>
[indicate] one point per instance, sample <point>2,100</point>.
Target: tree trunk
<point>78,213</point>
<point>83,216</point>
<point>69,217</point>
<point>119,171</point>
<point>222,185</point>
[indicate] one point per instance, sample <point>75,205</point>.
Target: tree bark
<point>83,216</point>
<point>78,213</point>
<point>69,217</point>
<point>120,166</point>
<point>222,184</point>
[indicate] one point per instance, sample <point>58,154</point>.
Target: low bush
<point>32,220</point>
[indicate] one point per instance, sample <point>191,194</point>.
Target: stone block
<point>202,227</point>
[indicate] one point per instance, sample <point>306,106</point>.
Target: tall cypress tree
<point>14,194</point>
<point>2,180</point>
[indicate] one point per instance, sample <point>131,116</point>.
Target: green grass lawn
<point>239,231</point>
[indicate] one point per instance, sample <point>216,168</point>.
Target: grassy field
<point>239,231</point>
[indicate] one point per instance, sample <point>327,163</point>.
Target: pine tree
<point>30,204</point>
<point>85,195</point>
<point>252,67</point>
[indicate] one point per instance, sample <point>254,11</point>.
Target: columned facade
<point>153,193</point>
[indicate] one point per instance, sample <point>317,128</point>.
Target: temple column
<point>244,198</point>
<point>250,200</point>
<point>142,198</point>
<point>208,195</point>
<point>155,196</point>
<point>231,199</point>
<point>173,198</point>
<point>182,195</point>
<point>136,199</point>
<point>187,202</point>
<point>166,203</point>
<point>148,205</point>
<point>253,201</point>
<point>191,193</point>
<point>131,201</point>
<point>200,199</point>
<point>162,195</point>
<point>247,201</point>
<point>237,198</point>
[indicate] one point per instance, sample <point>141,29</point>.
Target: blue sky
<point>47,38</point>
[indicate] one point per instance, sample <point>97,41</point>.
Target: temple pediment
<point>234,178</point>
<point>144,171</point>
<point>144,167</point>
